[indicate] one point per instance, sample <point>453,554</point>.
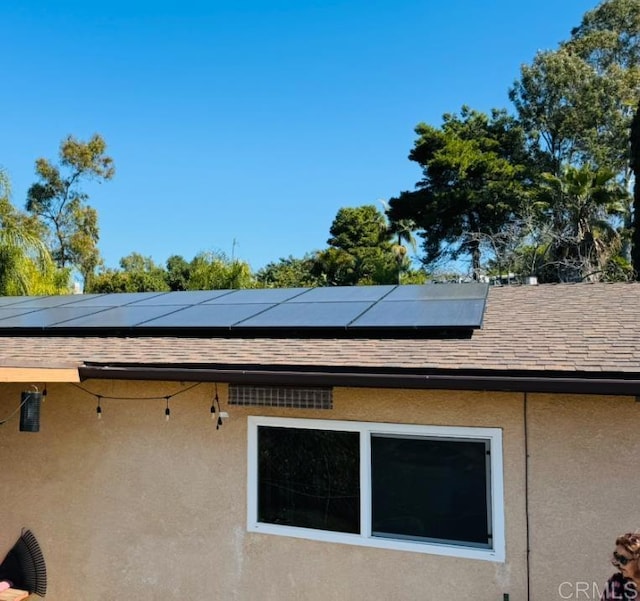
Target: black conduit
<point>526,492</point>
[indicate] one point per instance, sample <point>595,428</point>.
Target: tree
<point>580,99</point>
<point>483,194</point>
<point>360,251</point>
<point>26,267</point>
<point>608,39</point>
<point>402,232</point>
<point>476,169</point>
<point>580,204</point>
<point>136,274</point>
<point>214,271</point>
<point>206,271</point>
<point>609,35</point>
<point>178,273</point>
<point>635,166</point>
<point>289,273</point>
<point>559,99</point>
<point>61,205</point>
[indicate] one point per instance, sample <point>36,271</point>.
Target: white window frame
<point>367,429</point>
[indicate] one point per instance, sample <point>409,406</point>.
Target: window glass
<point>309,478</point>
<point>410,487</point>
<point>429,488</point>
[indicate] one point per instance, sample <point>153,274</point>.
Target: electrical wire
<point>12,414</point>
<point>215,405</point>
<point>162,397</point>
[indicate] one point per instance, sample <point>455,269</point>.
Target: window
<point>431,489</point>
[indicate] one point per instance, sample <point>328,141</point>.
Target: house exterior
<point>493,462</point>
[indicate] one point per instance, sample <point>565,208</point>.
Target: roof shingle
<point>562,327</point>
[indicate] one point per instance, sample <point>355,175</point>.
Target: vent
<point>281,396</point>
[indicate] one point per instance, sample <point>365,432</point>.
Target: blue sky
<point>251,121</point>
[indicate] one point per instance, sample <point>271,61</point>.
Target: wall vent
<point>291,397</point>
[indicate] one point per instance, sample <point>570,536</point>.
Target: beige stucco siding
<point>584,488</point>
<point>158,509</point>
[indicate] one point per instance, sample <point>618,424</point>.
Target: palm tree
<point>402,232</point>
<point>582,204</point>
<point>26,266</point>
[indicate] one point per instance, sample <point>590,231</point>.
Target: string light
<point>217,402</point>
<point>216,413</point>
<point>137,398</point>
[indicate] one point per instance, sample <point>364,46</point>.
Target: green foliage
<point>413,276</point>
<point>178,273</point>
<point>401,234</point>
<point>206,271</point>
<point>609,35</point>
<point>57,200</point>
<point>136,274</point>
<point>475,174</point>
<point>214,271</point>
<point>558,98</point>
<point>546,192</point>
<point>83,238</point>
<point>363,250</point>
<point>635,166</point>
<point>26,267</point>
<point>360,251</point>
<point>358,227</point>
<point>289,273</point>
<point>580,98</point>
<point>579,204</point>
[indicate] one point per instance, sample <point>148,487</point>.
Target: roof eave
<point>23,372</point>
<point>626,384</point>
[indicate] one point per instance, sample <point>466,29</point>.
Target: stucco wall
<point>583,490</point>
<point>134,506</point>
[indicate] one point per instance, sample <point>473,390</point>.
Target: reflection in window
<point>309,478</point>
<point>430,488</point>
<point>399,486</point>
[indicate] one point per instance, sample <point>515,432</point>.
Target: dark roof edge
<point>624,384</point>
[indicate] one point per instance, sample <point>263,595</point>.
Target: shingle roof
<point>561,327</point>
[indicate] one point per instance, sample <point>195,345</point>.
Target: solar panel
<point>260,296</point>
<point>307,315</point>
<point>438,291</point>
<point>116,299</point>
<point>45,318</point>
<point>180,298</point>
<point>8,312</point>
<point>332,310</point>
<point>423,314</point>
<point>332,294</point>
<point>206,316</point>
<point>43,302</point>
<point>17,300</point>
<point>112,318</point>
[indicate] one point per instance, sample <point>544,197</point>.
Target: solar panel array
<point>353,309</point>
